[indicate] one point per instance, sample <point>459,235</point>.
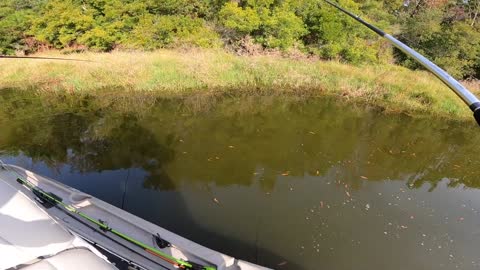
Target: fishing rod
<point>470,99</point>
<point>57,201</point>
<point>42,58</point>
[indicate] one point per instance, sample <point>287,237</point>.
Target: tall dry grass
<point>206,72</point>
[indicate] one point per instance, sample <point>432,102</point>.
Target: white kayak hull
<point>120,220</point>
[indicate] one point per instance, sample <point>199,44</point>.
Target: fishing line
<point>44,58</point>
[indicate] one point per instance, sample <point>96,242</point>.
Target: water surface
<point>310,184</point>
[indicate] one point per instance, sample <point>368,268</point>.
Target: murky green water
<point>286,184</point>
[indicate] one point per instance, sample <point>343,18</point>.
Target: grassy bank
<point>196,73</point>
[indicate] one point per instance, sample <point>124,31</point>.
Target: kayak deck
<point>129,224</point>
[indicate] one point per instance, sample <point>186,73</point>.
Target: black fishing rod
<point>42,58</point>
<point>470,99</point>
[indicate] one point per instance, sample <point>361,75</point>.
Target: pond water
<point>288,184</point>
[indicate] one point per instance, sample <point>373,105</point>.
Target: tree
<point>274,25</point>
<point>446,36</point>
<point>243,21</point>
<point>446,31</point>
<point>15,20</point>
<point>153,32</point>
<point>62,23</point>
<point>334,36</point>
<point>283,29</point>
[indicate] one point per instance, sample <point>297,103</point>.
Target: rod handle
<point>476,115</point>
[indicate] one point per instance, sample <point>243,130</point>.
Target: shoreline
<point>199,74</point>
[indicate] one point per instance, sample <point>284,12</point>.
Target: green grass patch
<point>215,72</point>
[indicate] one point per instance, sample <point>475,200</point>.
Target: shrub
<point>154,32</point>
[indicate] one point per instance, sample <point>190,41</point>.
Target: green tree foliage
<point>206,9</point>
<point>274,25</point>
<point>447,31</point>
<point>444,33</point>
<point>104,25</point>
<point>153,32</point>
<point>241,21</point>
<point>283,29</point>
<point>15,20</point>
<point>334,36</point>
<point>62,23</point>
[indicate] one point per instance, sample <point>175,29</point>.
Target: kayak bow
<point>55,200</point>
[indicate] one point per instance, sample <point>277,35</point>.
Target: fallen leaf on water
<point>363,177</point>
<point>217,158</point>
<point>282,263</point>
<point>216,201</point>
<point>311,132</point>
<point>231,146</point>
<point>348,194</point>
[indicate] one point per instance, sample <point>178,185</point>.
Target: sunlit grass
<point>199,72</point>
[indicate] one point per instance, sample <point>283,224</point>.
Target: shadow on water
<point>226,177</point>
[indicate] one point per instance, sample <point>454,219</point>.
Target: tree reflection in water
<point>236,142</point>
